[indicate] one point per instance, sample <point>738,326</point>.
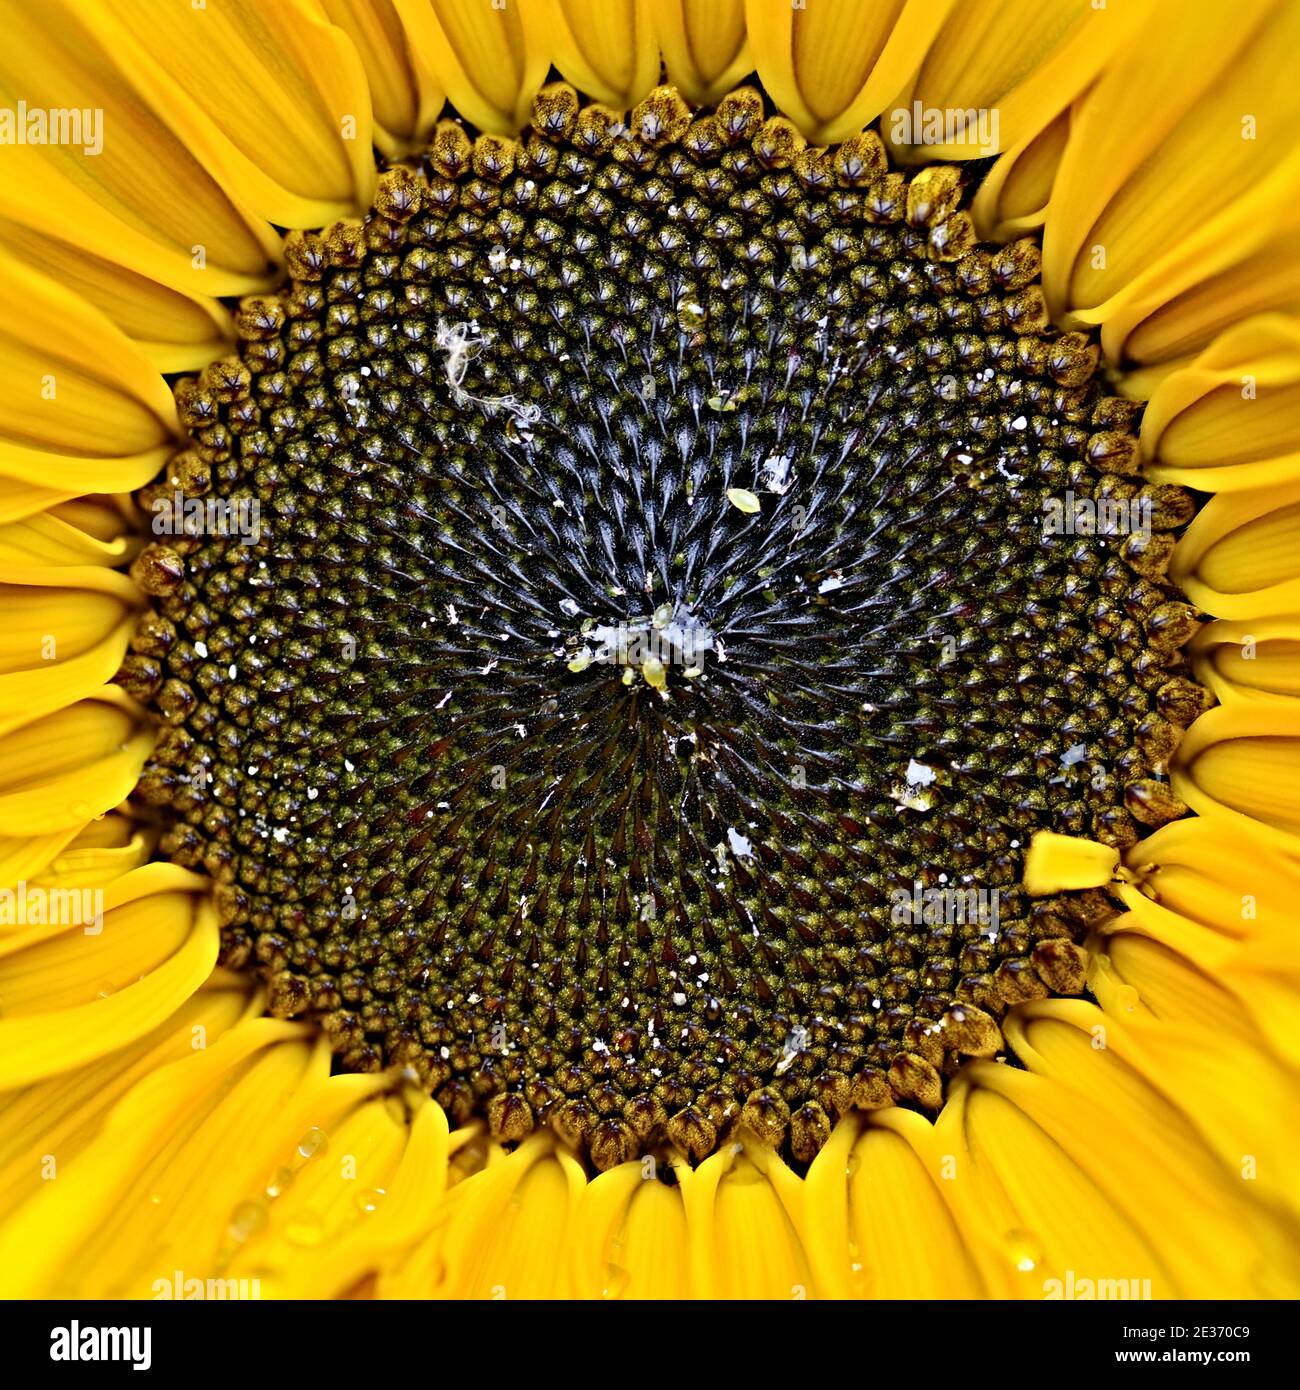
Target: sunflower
<point>651,649</point>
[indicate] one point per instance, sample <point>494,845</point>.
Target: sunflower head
<point>629,590</point>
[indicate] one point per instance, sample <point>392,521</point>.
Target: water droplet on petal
<point>1025,1252</point>
<point>1126,999</point>
<point>313,1142</point>
<point>247,1219</point>
<point>280,1180</point>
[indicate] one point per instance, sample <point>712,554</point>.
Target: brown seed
<point>913,1078</point>
<point>158,570</point>
<point>1153,802</point>
<point>972,1032</point>
<point>1062,965</point>
<point>871,1090</point>
<point>767,1117</point>
<point>810,1128</point>
<point>510,1118</point>
<point>692,1133</point>
<point>611,1143</point>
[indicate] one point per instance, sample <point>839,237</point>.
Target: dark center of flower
<point>643,638</point>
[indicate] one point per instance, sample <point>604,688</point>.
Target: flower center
<point>625,611</point>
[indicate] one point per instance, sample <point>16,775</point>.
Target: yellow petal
<point>490,62</point>
<point>506,1224</point>
<point>1226,280</point>
<point>1240,557</point>
<point>628,1237</point>
<point>1020,62</point>
<point>25,856</point>
<point>81,408</point>
<point>66,632</point>
<point>704,47</point>
<point>606,48</point>
<point>1047,1216</point>
<point>1249,660</point>
<point>90,860</point>
<point>97,1229</point>
<point>1216,895</point>
<point>832,68</point>
<point>48,539</point>
<point>1191,1038</point>
<point>1057,863</point>
<point>1243,762</point>
<point>176,331</point>
<point>1168,1166</point>
<point>1169,149</point>
<point>1014,195</point>
<point>19,498</point>
<point>743,1242</point>
<point>906,1243</point>
<point>145,200</point>
<point>57,1118</point>
<point>72,384</point>
<point>403,90</point>
<point>1191,895</point>
<point>1230,420</point>
<point>85,990</point>
<point>60,771</point>
<point>271,98</point>
<point>339,1215</point>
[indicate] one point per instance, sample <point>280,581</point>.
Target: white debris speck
<point>740,846</point>
<point>776,472</point>
<point>200,649</point>
<point>919,775</point>
<point>828,586</point>
<point>1076,753</point>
